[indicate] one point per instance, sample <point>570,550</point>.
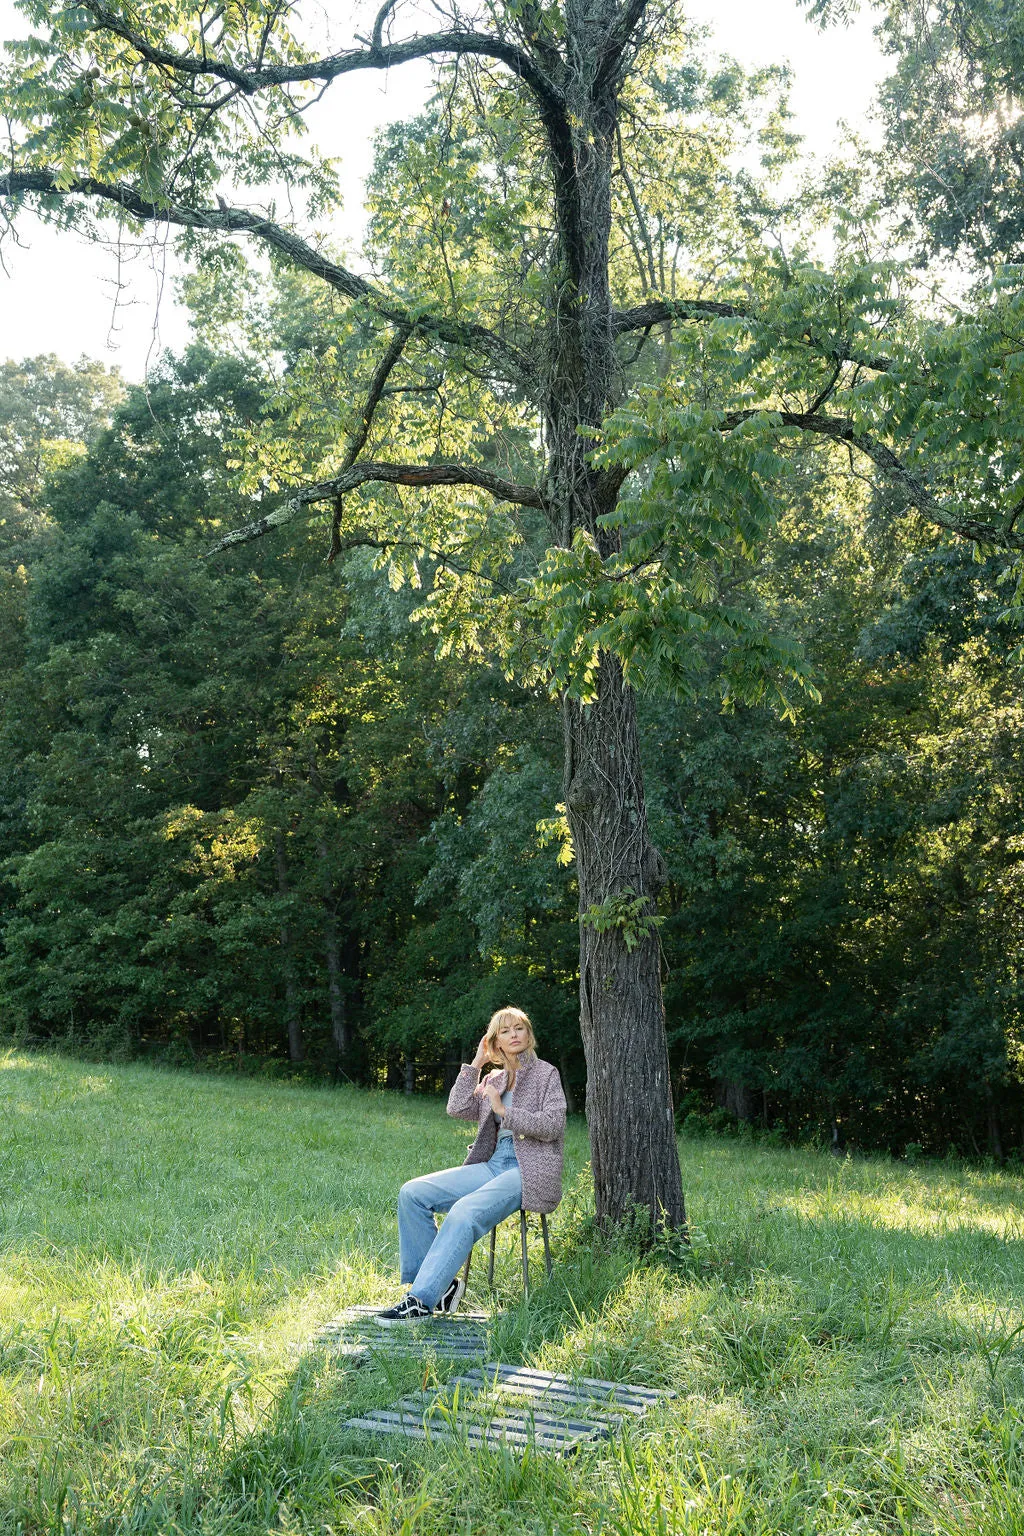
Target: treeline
<point>248,813</point>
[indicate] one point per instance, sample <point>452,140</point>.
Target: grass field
<point>846,1341</point>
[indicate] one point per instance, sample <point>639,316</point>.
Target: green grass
<point>845,1341</point>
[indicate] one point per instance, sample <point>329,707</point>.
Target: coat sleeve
<point>462,1102</point>
<point>546,1123</point>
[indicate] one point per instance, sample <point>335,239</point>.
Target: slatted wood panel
<point>527,1382</point>
<point>558,1436</point>
<point>356,1334</point>
<point>514,1405</point>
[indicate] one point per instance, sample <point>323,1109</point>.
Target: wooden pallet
<point>515,1406</point>
<point>356,1334</point>
<point>611,1397</point>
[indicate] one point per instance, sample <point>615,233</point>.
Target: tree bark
<point>629,1096</point>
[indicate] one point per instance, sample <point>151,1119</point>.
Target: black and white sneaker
<point>410,1310</point>
<point>449,1302</point>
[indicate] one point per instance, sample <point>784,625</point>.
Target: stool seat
<point>526,1258</point>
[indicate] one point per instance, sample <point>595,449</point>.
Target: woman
<point>515,1161</point>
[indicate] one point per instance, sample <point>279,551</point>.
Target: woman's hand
<point>480,1059</point>
<point>488,1090</point>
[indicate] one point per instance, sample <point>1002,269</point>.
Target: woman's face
<point>511,1038</point>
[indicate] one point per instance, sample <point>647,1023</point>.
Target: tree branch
<point>374,393</point>
<point>377,55</point>
<point>656,311</point>
<point>477,338</point>
<point>625,24</point>
<point>914,488</point>
<point>445,558</point>
<point>350,479</point>
<point>456,42</point>
<point>358,440</point>
<point>826,391</point>
<point>378,25</point>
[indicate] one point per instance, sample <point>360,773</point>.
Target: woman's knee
<point>409,1194</point>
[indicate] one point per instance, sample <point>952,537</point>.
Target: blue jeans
<point>476,1196</point>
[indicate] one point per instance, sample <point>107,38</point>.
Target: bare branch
<point>648,278</point>
<point>509,360</point>
<point>820,399</point>
<point>418,475</point>
<point>378,25</point>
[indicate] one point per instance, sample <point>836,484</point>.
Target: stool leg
<point>547,1247</point>
<point>526,1261</point>
<point>469,1260</point>
<point>490,1260</point>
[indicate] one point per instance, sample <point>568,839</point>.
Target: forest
<point>249,813</point>
<point>298,801</point>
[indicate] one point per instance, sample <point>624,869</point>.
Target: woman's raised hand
<point>481,1053</point>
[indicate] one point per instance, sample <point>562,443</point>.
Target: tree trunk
<point>335,990</point>
<point>995,1139</point>
<point>734,1096</point>
<point>570,1097</point>
<point>296,1046</point>
<point>634,1152</point>
<point>629,1097</point>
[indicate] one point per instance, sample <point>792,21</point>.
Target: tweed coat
<point>536,1118</point>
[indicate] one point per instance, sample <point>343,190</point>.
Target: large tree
<point>636,409</point>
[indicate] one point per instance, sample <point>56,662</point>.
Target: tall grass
<point>846,1339</point>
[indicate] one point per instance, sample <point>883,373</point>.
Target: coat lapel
<point>500,1081</point>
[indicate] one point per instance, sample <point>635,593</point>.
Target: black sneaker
<point>449,1302</point>
<point>411,1310</point>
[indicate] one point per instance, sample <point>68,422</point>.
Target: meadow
<point>846,1337</point>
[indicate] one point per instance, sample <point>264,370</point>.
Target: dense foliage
<point>632,434</point>
<point>249,813</point>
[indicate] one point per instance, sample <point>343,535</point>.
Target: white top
<point>506,1100</point>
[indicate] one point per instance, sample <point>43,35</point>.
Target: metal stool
<point>526,1259</point>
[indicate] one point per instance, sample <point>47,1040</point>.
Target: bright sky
<point>59,294</point>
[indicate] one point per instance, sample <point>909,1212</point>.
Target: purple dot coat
<point>536,1118</point>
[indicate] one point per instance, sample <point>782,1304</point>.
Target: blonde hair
<point>495,1054</point>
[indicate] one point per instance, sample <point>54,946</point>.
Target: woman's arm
<point>462,1101</point>
<point>544,1124</point>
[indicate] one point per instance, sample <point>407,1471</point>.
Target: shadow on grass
<point>303,1460</point>
<point>832,1366</point>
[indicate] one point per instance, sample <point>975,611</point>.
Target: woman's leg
<point>467,1220</point>
<point>417,1202</point>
